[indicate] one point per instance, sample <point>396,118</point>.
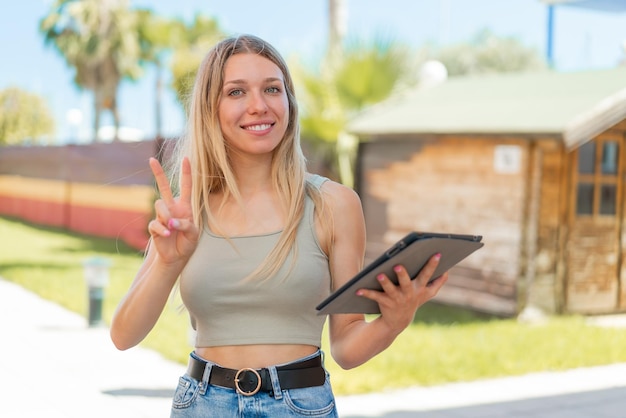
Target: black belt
<point>302,374</point>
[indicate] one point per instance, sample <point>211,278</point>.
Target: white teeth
<point>258,127</point>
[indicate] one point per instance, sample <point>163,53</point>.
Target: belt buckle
<point>237,380</point>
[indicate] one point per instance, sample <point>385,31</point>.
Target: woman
<point>257,243</point>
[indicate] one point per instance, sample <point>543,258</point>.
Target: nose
<point>256,103</point>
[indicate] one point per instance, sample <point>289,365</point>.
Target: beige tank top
<point>225,309</point>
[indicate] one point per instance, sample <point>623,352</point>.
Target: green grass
<point>49,262</point>
<point>444,344</point>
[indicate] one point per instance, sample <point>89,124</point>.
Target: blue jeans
<point>195,398</point>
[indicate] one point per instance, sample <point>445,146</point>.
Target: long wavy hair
<point>205,146</point>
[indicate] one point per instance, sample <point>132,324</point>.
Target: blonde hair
<point>204,145</point>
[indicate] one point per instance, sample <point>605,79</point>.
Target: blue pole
<point>549,49</point>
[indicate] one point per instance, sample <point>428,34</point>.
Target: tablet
<point>412,251</point>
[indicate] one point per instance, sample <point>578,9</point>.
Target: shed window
<point>587,158</point>
<point>608,199</point>
<point>596,192</point>
<point>609,157</point>
<point>584,202</point>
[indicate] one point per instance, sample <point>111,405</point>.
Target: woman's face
<point>253,109</point>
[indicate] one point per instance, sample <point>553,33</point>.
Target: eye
<point>273,89</point>
<point>235,92</point>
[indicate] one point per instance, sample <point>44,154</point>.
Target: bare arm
<point>353,340</point>
<point>173,239</point>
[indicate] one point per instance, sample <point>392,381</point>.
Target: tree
<point>99,39</point>
<point>336,27</point>
<point>364,73</point>
<point>24,117</point>
<point>157,36</point>
<point>351,75</point>
<point>192,43</point>
<point>486,53</point>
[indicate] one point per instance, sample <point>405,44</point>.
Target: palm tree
<point>364,73</point>
<point>157,36</point>
<point>336,28</point>
<point>99,39</point>
<point>352,75</point>
<point>192,42</point>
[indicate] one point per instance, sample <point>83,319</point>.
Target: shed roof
<point>573,106</point>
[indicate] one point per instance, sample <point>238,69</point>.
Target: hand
<point>173,231</point>
<point>398,303</point>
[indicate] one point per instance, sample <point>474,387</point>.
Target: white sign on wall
<point>507,159</point>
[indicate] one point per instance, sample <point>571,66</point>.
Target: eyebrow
<point>267,80</point>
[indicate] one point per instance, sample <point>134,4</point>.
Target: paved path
<point>53,365</point>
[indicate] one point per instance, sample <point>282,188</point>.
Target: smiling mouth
<point>261,127</point>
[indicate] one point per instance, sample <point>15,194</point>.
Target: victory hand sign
<point>174,234</point>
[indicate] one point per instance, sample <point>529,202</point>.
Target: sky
<point>583,39</point>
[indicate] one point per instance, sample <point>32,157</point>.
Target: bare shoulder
<point>348,222</point>
<point>340,197</point>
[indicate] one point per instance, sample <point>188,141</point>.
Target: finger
<point>182,224</point>
<point>185,181</point>
<point>374,295</point>
<point>163,214</point>
<point>157,229</point>
<point>163,183</point>
<point>428,270</point>
<point>185,226</point>
<point>436,284</point>
<point>404,280</point>
<point>388,286</point>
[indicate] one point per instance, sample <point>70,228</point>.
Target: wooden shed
<point>534,162</point>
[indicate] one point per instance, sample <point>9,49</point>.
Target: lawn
<point>443,345</point>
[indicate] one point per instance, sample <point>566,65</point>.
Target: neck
<point>253,175</point>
